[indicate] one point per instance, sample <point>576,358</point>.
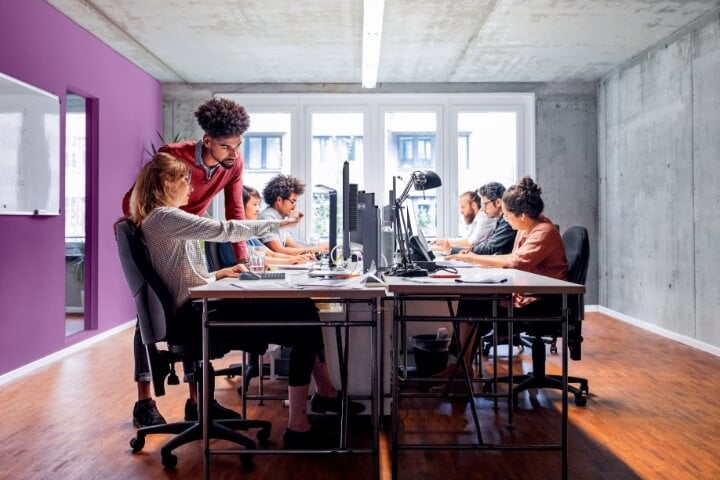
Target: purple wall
<point>42,47</point>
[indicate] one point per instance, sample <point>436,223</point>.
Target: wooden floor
<point>653,413</point>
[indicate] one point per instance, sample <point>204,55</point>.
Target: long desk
<point>223,289</point>
<point>407,290</point>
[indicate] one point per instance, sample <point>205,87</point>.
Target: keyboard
<point>262,276</point>
<point>272,276</point>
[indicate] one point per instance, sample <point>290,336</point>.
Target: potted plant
<point>178,137</point>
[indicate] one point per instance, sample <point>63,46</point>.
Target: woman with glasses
<point>173,236</point>
<point>281,194</point>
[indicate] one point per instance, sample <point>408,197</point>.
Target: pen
<point>500,280</point>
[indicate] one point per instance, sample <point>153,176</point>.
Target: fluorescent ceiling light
<point>372,35</point>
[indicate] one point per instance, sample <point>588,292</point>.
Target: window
<point>335,137</point>
<point>464,149</point>
<point>263,151</point>
<point>415,150</point>
<point>490,139</point>
<point>467,139</point>
<point>339,147</point>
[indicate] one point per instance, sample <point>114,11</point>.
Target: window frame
<point>374,106</point>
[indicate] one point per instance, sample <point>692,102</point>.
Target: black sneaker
<point>320,404</point>
<point>313,439</point>
<point>217,411</point>
<point>146,414</point>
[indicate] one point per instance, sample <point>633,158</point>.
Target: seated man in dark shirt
<point>502,237</point>
<point>500,241</point>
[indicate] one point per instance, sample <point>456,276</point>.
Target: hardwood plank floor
<point>652,414</point>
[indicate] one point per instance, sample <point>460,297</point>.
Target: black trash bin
<point>431,354</point>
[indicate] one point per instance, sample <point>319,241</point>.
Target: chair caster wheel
<point>580,401</point>
<point>169,460</point>
<point>263,435</point>
<point>137,444</point>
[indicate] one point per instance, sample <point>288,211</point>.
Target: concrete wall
<point>659,215</point>
<point>567,169</point>
<point>565,150</point>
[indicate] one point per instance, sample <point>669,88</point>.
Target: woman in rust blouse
<point>538,249</point>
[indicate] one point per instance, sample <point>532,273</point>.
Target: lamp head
<point>426,180</point>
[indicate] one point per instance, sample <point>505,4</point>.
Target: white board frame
<point>29,149</point>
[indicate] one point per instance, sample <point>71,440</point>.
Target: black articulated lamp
<point>421,180</point>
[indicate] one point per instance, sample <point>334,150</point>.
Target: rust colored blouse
<point>539,251</point>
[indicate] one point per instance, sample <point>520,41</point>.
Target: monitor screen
<point>350,205</point>
<point>367,233</point>
<point>417,245</point>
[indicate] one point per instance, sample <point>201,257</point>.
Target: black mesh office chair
<point>577,250</point>
<point>156,314</point>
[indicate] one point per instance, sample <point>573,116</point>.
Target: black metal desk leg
<point>205,390</point>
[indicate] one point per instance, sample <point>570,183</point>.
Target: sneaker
<point>320,404</point>
<point>146,414</point>
<point>217,411</point>
<point>313,439</point>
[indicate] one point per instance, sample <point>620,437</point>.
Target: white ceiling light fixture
<point>372,35</point>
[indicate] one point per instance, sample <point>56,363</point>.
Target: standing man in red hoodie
<point>216,165</point>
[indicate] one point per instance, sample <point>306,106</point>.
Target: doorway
<point>76,159</point>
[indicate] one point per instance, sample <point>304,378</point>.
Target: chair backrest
<point>154,303</point>
<point>577,251</point>
<point>219,255</point>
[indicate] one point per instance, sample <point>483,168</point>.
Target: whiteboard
<point>29,149</point>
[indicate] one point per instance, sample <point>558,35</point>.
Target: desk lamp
<point>421,180</point>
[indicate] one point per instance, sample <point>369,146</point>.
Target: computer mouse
<point>249,276</point>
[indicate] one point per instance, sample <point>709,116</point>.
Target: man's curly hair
<point>282,186</point>
<point>220,118</point>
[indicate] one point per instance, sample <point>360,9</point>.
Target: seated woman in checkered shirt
<point>173,236</point>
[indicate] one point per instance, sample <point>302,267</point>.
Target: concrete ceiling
<point>319,41</point>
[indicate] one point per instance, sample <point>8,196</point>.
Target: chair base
<point>529,381</point>
<point>539,379</point>
<point>186,432</point>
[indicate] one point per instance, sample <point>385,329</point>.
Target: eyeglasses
<point>484,204</point>
<point>291,200</point>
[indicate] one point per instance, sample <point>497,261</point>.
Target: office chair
<point>577,251</point>
<point>156,317</point>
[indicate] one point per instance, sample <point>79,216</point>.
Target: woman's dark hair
<point>248,193</point>
<point>492,191</point>
<point>524,198</point>
<point>282,186</point>
<point>220,118</point>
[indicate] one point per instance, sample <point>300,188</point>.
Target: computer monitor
<point>350,209</point>
<point>368,229</point>
<point>417,245</point>
<point>332,217</point>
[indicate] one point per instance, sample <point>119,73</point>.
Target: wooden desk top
<point>515,281</point>
<point>254,289</point>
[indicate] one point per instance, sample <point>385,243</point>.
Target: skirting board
<point>691,342</point>
<point>59,355</point>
